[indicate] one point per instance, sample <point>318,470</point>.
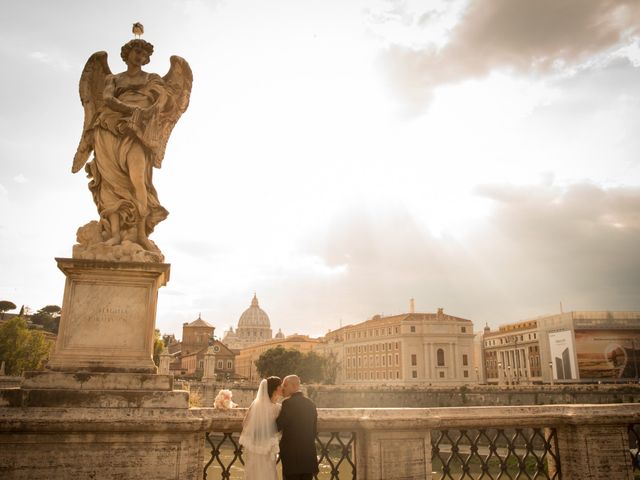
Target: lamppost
<point>509,380</point>
<point>551,371</point>
<point>477,376</point>
<point>499,373</point>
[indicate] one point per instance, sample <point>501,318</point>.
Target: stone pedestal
<point>592,452</point>
<point>209,366</point>
<point>165,362</point>
<point>396,455</point>
<point>108,316</point>
<point>95,390</point>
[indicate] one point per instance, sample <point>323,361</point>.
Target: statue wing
<point>92,82</point>
<point>178,83</point>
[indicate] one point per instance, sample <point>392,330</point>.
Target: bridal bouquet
<point>223,400</point>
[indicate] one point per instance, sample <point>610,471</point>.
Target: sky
<point>340,157</point>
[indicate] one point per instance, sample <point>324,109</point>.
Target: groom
<point>298,422</point>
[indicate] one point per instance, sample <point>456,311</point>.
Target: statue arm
<point>109,98</point>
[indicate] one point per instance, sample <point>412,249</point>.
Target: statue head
<point>138,42</point>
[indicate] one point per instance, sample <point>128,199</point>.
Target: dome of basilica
<point>254,316</point>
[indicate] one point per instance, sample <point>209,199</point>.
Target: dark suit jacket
<point>298,421</point>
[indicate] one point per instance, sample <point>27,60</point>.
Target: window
<point>440,359</point>
<point>384,364</point>
<point>413,329</point>
<point>466,374</point>
<point>414,374</point>
<point>396,345</point>
<point>397,374</point>
<point>463,329</point>
<point>465,360</point>
<point>414,360</point>
<point>397,359</point>
<point>441,374</point>
<point>229,364</point>
<point>389,331</point>
<point>397,329</point>
<point>371,348</point>
<point>219,364</point>
<point>376,347</point>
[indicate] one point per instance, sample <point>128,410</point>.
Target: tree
<point>281,362</point>
<point>311,368</point>
<point>278,361</point>
<point>5,306</point>
<point>48,317</point>
<point>331,366</point>
<point>158,347</point>
<point>20,348</point>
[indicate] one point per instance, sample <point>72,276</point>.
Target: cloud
<point>526,36</point>
<point>3,190</point>
<point>20,178</point>
<point>54,60</point>
<point>539,246</point>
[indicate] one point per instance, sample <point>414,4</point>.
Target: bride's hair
<point>272,384</point>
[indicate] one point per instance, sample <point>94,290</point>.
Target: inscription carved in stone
<point>94,324</point>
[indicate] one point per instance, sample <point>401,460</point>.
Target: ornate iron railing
<point>495,453</point>
<point>634,446</point>
<point>335,451</point>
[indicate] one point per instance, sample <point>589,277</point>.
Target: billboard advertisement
<point>563,355</point>
<point>608,354</point>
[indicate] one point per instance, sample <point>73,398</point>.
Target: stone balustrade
<point>569,441</point>
<point>565,441</point>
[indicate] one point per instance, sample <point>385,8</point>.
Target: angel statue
<point>128,118</point>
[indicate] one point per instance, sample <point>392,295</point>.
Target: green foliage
<point>331,367</point>
<point>158,347</point>
<point>48,317</point>
<point>20,348</point>
<point>5,306</point>
<point>279,361</point>
<point>54,310</point>
<point>310,367</point>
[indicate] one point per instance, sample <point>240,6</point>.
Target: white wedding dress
<point>259,437</point>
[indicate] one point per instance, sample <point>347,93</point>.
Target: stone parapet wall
<point>479,395</point>
<point>110,444</point>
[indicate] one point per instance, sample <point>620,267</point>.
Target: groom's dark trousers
<point>298,421</point>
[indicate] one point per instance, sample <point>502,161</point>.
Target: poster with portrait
<point>608,354</point>
<point>563,355</point>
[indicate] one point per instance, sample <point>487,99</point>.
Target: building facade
<point>578,346</point>
<point>412,348</point>
<point>188,354</point>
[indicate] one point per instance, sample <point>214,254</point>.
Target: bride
<point>259,437</point>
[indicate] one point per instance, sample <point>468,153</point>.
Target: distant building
<point>411,348</point>
<point>189,353</point>
<point>579,346</point>
<point>245,361</point>
<point>254,327</point>
<point>193,363</point>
